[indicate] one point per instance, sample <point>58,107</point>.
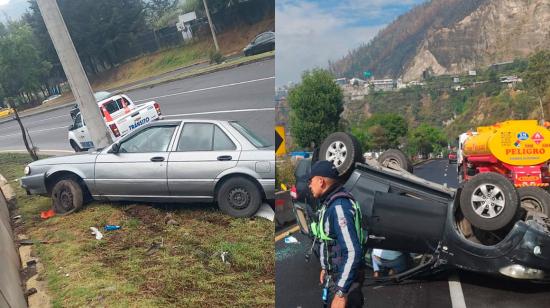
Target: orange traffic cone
<point>47,214</point>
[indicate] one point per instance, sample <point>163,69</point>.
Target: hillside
<point>451,37</point>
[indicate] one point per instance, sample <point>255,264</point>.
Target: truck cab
<point>120,114</point>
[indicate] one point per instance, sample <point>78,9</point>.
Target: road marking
<point>445,174</point>
<point>206,89</point>
<point>457,297</point>
<point>36,131</point>
<point>39,121</point>
<point>219,111</point>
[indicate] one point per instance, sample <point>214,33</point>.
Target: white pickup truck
<point>121,116</point>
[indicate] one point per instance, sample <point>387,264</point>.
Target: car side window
<point>152,139</point>
<point>203,137</point>
<point>221,141</point>
<point>78,121</point>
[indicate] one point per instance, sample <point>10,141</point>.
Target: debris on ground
<point>169,220</point>
<point>155,246</point>
<point>47,214</point>
<point>225,257</point>
<point>291,240</point>
<point>95,231</point>
<point>111,227</point>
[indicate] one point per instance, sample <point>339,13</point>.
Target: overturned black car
<point>404,212</point>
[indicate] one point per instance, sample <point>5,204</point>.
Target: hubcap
<point>531,204</point>
<point>337,153</point>
<point>238,198</point>
<point>66,199</point>
<point>488,201</point>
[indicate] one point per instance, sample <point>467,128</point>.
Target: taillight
<point>157,107</point>
<point>294,192</point>
<point>114,129</point>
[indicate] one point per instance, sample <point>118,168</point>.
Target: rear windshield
<point>115,105</point>
<point>250,136</point>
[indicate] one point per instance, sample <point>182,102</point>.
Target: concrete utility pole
<point>78,81</point>
<point>211,25</point>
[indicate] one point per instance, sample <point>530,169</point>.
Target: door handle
<point>225,157</point>
<point>157,158</point>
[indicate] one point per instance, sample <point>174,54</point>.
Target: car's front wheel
<point>67,196</point>
<point>343,150</point>
<point>239,197</point>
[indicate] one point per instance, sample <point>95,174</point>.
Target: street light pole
<point>80,86</point>
<point>211,25</point>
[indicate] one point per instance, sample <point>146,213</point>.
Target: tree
<point>381,131</point>
<point>538,75</point>
<point>316,105</point>
<point>425,138</point>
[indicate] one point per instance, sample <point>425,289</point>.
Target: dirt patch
<point>145,213</point>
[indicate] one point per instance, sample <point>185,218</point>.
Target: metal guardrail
<point>11,291</point>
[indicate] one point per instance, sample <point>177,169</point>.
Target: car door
<point>204,150</point>
<point>138,170</point>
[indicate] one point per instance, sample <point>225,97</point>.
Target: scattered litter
<point>291,240</point>
<point>155,246</point>
<point>172,222</point>
<point>95,231</point>
<point>27,242</point>
<point>67,275</point>
<point>225,255</point>
<point>111,227</point>
<point>47,214</point>
<point>266,212</point>
<point>17,217</point>
<point>31,263</point>
<point>377,287</point>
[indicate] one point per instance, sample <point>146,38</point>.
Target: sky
<point>12,9</point>
<point>309,33</point>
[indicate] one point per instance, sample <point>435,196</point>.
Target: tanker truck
<point>516,149</point>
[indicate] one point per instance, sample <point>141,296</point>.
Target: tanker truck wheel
<point>395,159</point>
<point>343,150</point>
<point>489,201</point>
<point>534,199</point>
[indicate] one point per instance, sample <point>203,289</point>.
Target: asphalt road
<point>244,93</point>
<point>297,281</point>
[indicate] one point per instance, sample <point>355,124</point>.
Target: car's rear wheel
<point>239,197</point>
<point>395,159</point>
<point>534,199</point>
<point>67,196</point>
<point>489,201</point>
<point>343,150</point>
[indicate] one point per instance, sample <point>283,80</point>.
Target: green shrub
<point>216,57</point>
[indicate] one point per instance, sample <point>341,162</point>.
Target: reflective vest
<point>317,227</point>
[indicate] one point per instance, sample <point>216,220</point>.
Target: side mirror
<point>114,148</point>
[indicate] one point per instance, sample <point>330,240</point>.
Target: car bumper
<point>269,188</point>
<point>34,184</point>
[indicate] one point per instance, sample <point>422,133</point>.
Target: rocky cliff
<point>452,36</point>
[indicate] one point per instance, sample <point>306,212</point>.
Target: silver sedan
<point>165,161</point>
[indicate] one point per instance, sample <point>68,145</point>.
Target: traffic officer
<point>339,230</point>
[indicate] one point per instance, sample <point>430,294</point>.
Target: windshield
<point>250,136</point>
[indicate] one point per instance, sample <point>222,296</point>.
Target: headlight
<point>521,272</point>
<point>27,170</point>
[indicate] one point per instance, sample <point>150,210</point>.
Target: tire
<point>67,196</point>
<point>394,157</point>
<point>75,146</point>
<point>343,150</point>
<point>239,197</point>
<point>502,198</point>
<point>534,199</point>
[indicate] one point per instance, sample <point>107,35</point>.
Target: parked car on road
<point>164,161</point>
<point>263,42</point>
<point>406,213</point>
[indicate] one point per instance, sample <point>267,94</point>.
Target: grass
<point>186,271</point>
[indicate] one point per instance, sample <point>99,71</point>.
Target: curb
<point>152,84</point>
